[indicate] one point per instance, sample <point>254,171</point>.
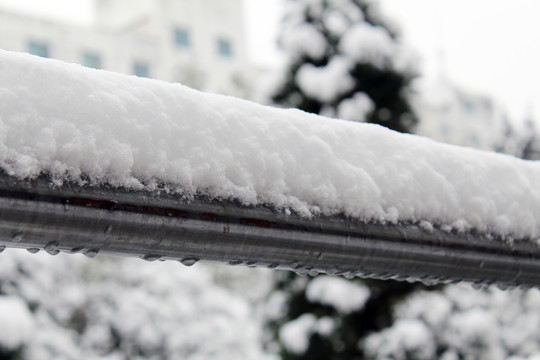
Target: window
<point>91,60</point>
<point>141,69</point>
<point>475,140</point>
<point>181,38</point>
<point>224,48</point>
<point>468,106</point>
<point>38,48</point>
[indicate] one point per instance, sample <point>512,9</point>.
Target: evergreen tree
<point>520,140</point>
<point>530,142</point>
<point>344,62</point>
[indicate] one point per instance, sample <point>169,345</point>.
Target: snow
<point>475,328</point>
<point>326,83</point>
<point>275,306</point>
<point>99,127</point>
<point>368,43</point>
<point>119,307</point>
<point>455,322</point>
<point>343,295</point>
<point>16,322</point>
<point>295,335</point>
<point>371,44</point>
<point>336,22</point>
<point>407,338</point>
<point>440,307</point>
<point>325,326</point>
<point>468,323</point>
<point>355,108</point>
<point>304,39</point>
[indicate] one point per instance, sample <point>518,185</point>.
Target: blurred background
<point>461,72</point>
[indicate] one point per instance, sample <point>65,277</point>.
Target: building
<point>199,43</point>
<point>454,116</point>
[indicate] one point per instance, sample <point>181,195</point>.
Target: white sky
<point>70,10</point>
<point>486,46</point>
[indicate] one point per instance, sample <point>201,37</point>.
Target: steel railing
<point>37,215</point>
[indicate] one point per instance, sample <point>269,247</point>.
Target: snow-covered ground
<point>90,125</point>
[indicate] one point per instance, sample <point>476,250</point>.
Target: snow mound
<point>81,124</point>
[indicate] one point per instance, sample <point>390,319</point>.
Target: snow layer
<point>77,123</point>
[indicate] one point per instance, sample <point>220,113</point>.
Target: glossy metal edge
<point>161,225</point>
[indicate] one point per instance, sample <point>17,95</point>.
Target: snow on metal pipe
<point>90,220</point>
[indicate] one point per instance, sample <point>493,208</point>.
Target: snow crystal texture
<point>77,123</point>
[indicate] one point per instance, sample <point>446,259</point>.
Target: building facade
<point>199,43</point>
<point>454,116</point>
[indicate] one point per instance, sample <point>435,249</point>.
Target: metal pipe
<point>158,225</point>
